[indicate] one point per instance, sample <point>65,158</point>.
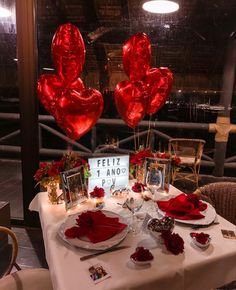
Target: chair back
<point>187,148</point>
<point>222,195</point>
<point>12,262</point>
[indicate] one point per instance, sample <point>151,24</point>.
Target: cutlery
<point>103,252</point>
<point>196,227</point>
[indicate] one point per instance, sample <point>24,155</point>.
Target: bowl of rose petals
<point>141,256</point>
<point>202,240</point>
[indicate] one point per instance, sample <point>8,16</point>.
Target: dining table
<point>196,268</point>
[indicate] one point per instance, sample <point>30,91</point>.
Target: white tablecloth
<point>195,269</point>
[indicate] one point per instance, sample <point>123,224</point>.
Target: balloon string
<point>138,137</point>
<point>148,133</point>
<point>135,147</point>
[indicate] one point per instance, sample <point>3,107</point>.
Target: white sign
<point>108,171</point>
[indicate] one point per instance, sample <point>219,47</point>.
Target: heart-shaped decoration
<point>159,83</point>
<point>75,109</point>
<point>123,170</point>
<point>77,112</point>
<point>137,56</point>
<point>68,52</point>
<point>130,99</point>
<point>50,88</point>
<point>157,226</point>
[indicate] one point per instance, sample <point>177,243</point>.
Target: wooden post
<point>27,75</point>
<point>223,120</point>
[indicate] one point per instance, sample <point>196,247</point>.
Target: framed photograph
<point>98,273</point>
<point>157,174</point>
<point>74,186</point>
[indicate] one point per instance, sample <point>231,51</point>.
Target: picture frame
<point>157,174</point>
<point>74,187</point>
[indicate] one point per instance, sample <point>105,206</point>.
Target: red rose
<point>163,155</point>
<point>43,165</point>
<point>83,162</point>
<point>38,175</point>
<point>53,171</point>
<point>97,192</point>
<point>59,164</point>
<point>173,242</point>
<point>177,160</point>
<point>138,187</point>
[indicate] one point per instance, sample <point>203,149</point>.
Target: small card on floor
<point>228,234</point>
<point>98,273</point>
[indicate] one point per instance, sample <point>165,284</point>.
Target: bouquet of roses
<point>137,159</point>
<point>49,171</point>
<point>175,160</point>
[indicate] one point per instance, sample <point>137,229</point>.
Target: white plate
<point>71,221</point>
<point>209,213</point>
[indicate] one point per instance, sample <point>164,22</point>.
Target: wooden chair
<point>222,195</point>
<point>14,250</point>
<point>28,279</point>
<point>190,152</point>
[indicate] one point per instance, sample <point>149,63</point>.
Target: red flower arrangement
<point>51,170</point>
<point>173,242</point>
<point>175,160</point>
<point>137,160</point>
<point>98,192</point>
<point>139,157</point>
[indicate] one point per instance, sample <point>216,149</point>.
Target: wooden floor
<point>11,186</point>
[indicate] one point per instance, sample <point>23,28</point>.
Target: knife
<point>102,252</point>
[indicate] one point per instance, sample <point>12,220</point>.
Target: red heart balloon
<point>137,56</point>
<point>130,99</point>
<point>50,88</point>
<point>159,83</point>
<point>68,52</point>
<point>77,112</point>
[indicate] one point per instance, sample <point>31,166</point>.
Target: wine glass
<point>134,202</point>
<point>154,178</point>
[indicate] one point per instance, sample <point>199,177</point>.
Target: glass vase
<point>140,173</point>
<point>52,187</point>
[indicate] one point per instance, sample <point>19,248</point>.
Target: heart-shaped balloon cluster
<point>147,89</point>
<point>75,108</point>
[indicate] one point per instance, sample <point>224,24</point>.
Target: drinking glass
<point>134,203</point>
<point>154,178</point>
